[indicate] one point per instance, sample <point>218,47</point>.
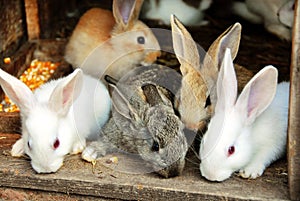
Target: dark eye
<point>207,103</point>
<point>56,144</point>
<point>141,40</point>
<point>231,150</point>
<point>155,146</point>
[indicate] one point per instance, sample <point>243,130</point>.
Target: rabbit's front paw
<point>92,152</point>
<point>18,148</point>
<point>252,172</point>
<point>78,147</point>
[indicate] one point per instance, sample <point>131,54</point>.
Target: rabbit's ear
<point>17,91</point>
<point>66,92</point>
<point>152,95</point>
<point>126,12</point>
<point>258,94</point>
<point>226,84</point>
<point>119,101</point>
<point>184,46</point>
<point>215,54</point>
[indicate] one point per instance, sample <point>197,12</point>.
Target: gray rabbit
<point>144,121</point>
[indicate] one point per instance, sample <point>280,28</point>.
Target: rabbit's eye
<point>56,144</point>
<point>155,146</point>
<point>141,40</point>
<point>207,103</point>
<point>231,150</point>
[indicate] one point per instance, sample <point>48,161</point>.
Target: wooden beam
<point>294,112</point>
<point>32,19</point>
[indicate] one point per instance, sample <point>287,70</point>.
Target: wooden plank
<point>32,19</point>
<point>294,112</point>
<point>12,31</point>
<point>112,181</point>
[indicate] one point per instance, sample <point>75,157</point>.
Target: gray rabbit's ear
<point>155,95</point>
<point>152,95</point>
<point>119,101</point>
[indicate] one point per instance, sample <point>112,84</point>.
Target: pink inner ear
<point>125,8</point>
<point>66,96</point>
<point>252,102</point>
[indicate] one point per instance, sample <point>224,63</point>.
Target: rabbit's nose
<point>173,170</point>
<point>151,57</point>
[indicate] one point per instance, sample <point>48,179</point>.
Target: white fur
<point>187,14</point>
<point>264,12</point>
<point>255,124</point>
<point>70,109</point>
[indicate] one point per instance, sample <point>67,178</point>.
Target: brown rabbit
<point>198,91</point>
<point>113,41</point>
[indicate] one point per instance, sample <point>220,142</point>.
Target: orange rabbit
<point>112,43</point>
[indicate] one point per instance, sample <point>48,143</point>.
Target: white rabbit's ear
<point>226,84</point>
<point>17,91</point>
<point>185,47</point>
<point>258,94</point>
<point>66,92</point>
<point>126,12</point>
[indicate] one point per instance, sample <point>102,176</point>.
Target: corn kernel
<point>7,60</point>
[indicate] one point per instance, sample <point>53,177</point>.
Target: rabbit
<point>191,14</point>
<point>286,14</point>
<point>144,121</point>
<point>247,133</point>
<point>198,92</point>
<point>112,42</point>
<point>52,124</point>
<point>264,12</point>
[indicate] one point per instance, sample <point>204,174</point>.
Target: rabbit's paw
<point>18,148</point>
<point>92,152</point>
<point>252,172</point>
<point>78,147</point>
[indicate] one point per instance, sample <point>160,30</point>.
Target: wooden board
<point>294,113</point>
<point>108,181</point>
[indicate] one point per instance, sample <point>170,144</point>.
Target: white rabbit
<point>190,15</point>
<point>247,133</point>
<point>52,124</point>
<point>264,12</point>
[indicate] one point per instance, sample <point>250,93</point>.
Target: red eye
<point>56,144</point>
<point>231,150</point>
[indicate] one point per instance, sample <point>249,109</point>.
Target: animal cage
<point>39,29</point>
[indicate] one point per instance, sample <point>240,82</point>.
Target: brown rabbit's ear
<point>126,12</point>
<point>215,54</point>
<point>228,39</point>
<point>184,46</point>
<point>194,103</point>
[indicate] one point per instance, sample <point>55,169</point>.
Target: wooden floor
<point>114,182</point>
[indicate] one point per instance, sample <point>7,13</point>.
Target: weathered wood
<point>32,19</point>
<point>111,181</point>
<point>12,27</point>
<point>294,112</point>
